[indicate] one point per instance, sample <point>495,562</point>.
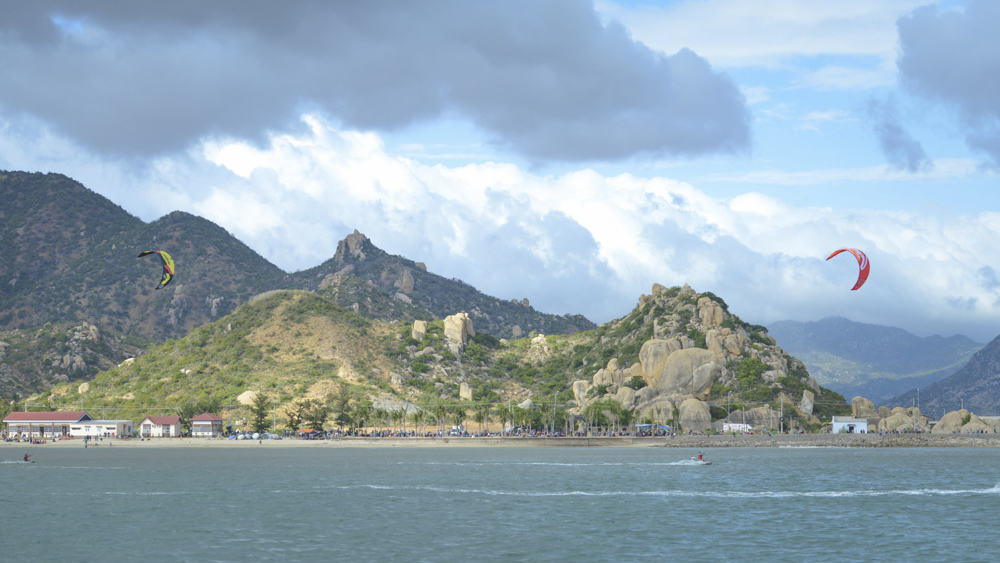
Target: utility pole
<point>781,415</point>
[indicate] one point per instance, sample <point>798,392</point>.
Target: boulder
<point>419,330</point>
<point>526,404</point>
<point>808,402</point>
<point>603,377</point>
<point>653,357</point>
<point>247,397</point>
<point>626,396</point>
<point>903,421</point>
<point>695,416</point>
<point>464,391</point>
<point>580,388</point>
<point>863,408</point>
<point>457,331</point>
<point>710,312</point>
<point>690,372</point>
<point>659,409</point>
<point>950,422</point>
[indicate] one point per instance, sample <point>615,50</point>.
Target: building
<point>160,427</point>
<point>41,424</point>
<point>101,429</point>
<point>849,425</point>
<point>206,425</point>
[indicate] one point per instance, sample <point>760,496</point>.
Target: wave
<point>994,490</point>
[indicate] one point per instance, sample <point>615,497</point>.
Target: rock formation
<point>419,330</point>
<point>457,331</point>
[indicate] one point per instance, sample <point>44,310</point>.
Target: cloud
<point>545,79</point>
<point>953,57</point>
<point>586,242</point>
<point>574,242</point>
<point>901,150</point>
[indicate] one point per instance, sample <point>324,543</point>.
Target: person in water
<point>26,457</point>
<point>700,458</point>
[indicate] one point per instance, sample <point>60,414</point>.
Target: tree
<point>188,411</point>
<point>259,412</point>
<point>316,414</point>
<point>296,416</point>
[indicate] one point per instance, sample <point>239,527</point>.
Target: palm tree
<point>503,414</point>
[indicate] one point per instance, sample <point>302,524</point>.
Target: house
<point>206,425</point>
<point>160,426</point>
<point>849,425</point>
<point>101,429</point>
<point>43,423</point>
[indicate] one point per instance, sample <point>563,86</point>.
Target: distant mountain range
<point>975,387</point>
<point>69,256</point>
<point>874,361</point>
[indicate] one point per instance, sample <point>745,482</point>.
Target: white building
<point>206,425</point>
<point>41,424</point>
<point>849,425</point>
<point>101,429</point>
<point>736,427</point>
<point>160,426</point>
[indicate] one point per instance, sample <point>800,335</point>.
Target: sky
<point>573,153</point>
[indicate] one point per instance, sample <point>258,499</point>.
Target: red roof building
<point>43,423</point>
<point>160,426</point>
<point>207,425</point>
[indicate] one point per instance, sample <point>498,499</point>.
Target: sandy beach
<point>757,441</point>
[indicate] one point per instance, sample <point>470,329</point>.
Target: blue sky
<point>574,153</point>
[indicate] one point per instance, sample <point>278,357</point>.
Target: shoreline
<point>711,441</point>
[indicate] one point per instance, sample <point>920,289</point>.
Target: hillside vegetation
<point>295,348</point>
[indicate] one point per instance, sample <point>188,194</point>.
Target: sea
<point>500,504</point>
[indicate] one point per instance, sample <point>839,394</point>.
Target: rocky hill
<point>379,285</point>
<point>680,357</point>
<point>68,256</point>
<point>874,361</point>
<point>975,387</point>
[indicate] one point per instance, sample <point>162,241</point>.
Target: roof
<point>47,416</point>
<point>206,417</point>
<point>163,420</point>
<point>849,419</point>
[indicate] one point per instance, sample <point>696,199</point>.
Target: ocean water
<point>500,504</point>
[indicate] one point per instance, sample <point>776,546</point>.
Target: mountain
<point>379,285</point>
<point>69,256</point>
<point>975,387</point>
<point>679,355</point>
<point>874,361</point>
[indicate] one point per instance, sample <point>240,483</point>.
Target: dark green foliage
<point>260,409</point>
<point>636,382</point>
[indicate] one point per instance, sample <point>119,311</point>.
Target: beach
<point>687,441</point>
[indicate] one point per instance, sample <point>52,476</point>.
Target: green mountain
<point>679,356</point>
<point>873,361</point>
<point>68,256</point>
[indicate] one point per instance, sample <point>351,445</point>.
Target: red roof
<point>46,416</point>
<point>163,420</point>
<point>206,416</point>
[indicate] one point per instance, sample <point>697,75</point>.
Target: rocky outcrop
<point>457,331</point>
<point>808,401</point>
<point>419,330</point>
<point>862,407</point>
<point>964,422</point>
<point>904,420</point>
<point>689,372</point>
<point>695,416</point>
<point>464,391</point>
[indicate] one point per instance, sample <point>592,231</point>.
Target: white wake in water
<point>994,490</point>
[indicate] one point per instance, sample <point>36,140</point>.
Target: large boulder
<point>457,331</point>
<point>808,401</point>
<point>689,372</point>
<point>710,312</point>
<point>419,330</point>
<point>653,357</point>
<point>464,391</point>
<point>626,397</point>
<point>657,409</point>
<point>695,416</point>
<point>580,388</point>
<point>950,422</point>
<point>904,420</point>
<point>863,408</point>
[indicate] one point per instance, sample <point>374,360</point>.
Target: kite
<point>168,265</point>
<point>863,265</point>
